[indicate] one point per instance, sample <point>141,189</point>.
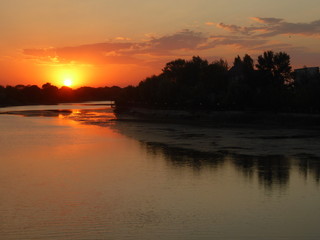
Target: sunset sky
<point>120,42</point>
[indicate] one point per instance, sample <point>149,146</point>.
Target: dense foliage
<point>269,84</point>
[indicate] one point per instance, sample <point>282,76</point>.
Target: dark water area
<point>74,173</point>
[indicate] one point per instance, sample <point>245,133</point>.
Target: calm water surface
<point>62,179</point>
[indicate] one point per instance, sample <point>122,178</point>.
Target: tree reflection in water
<point>272,171</point>
<point>309,166</point>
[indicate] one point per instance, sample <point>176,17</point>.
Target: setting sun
<point>71,76</point>
<point>67,82</point>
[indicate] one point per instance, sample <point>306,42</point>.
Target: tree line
<point>50,94</point>
<point>270,84</point>
<point>267,84</point>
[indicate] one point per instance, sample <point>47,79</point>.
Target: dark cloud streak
<point>275,26</point>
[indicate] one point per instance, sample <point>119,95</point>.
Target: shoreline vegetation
<point>220,118</point>
<point>196,91</point>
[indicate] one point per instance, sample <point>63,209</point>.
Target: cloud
<point>123,38</point>
<point>235,28</point>
<point>267,20</point>
<point>311,29</point>
<point>120,52</point>
<point>236,41</point>
<point>185,43</point>
<point>185,39</point>
<point>269,27</point>
<point>209,23</point>
<point>97,53</point>
<point>273,46</point>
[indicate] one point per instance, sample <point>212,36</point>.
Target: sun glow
<point>76,76</point>
<point>69,77</point>
<point>67,82</point>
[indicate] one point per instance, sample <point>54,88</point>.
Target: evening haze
<point>106,43</point>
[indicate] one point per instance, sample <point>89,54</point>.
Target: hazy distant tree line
<point>50,94</point>
<point>267,84</point>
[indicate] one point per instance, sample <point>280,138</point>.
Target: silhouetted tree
<point>274,74</point>
<point>2,95</point>
<point>215,84</point>
<point>241,86</point>
<point>66,94</point>
<point>31,94</point>
<point>248,63</point>
<point>275,65</point>
<point>50,93</point>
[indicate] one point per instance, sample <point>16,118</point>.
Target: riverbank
<point>219,118</point>
<point>229,132</point>
<point>249,141</point>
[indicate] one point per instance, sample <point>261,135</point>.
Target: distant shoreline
<point>103,102</point>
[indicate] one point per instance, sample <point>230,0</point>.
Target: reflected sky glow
<point>66,179</point>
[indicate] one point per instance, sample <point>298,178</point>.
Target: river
<point>72,173</point>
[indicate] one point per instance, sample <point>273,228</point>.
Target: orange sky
<point>106,43</point>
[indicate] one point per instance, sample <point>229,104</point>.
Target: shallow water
<point>63,179</point>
